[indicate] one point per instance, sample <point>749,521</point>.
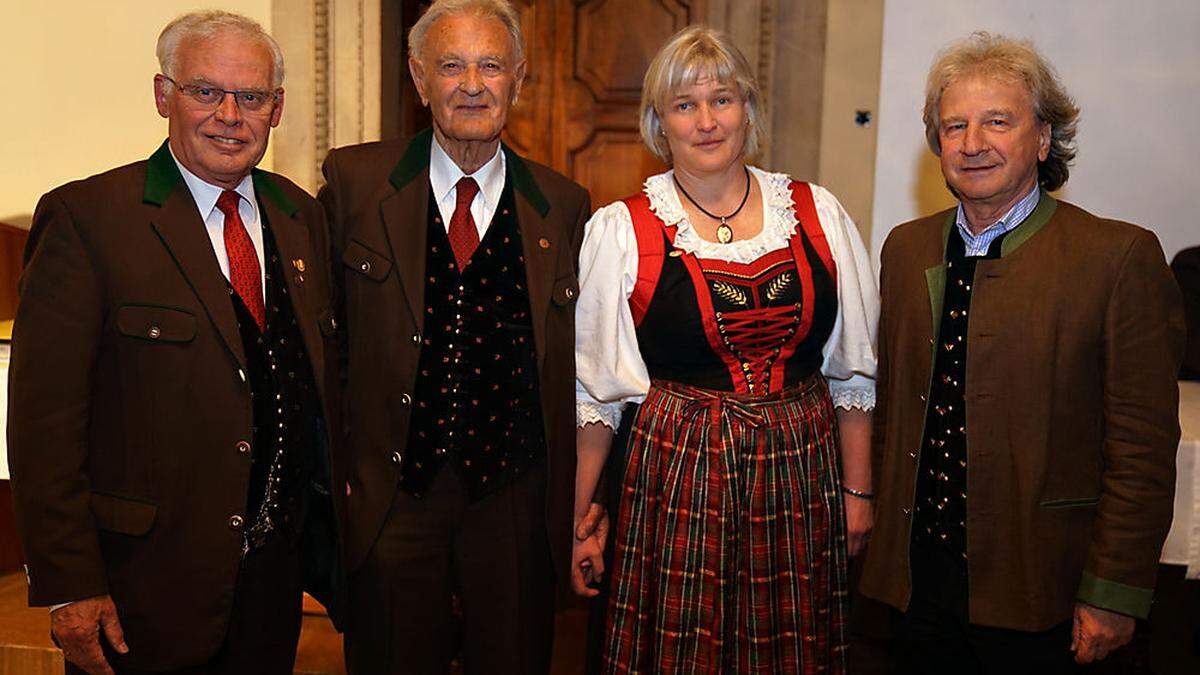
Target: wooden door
<point>578,111</point>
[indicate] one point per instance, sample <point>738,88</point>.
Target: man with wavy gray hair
<point>174,382</point>
<point>1026,422</point>
<point>459,276</point>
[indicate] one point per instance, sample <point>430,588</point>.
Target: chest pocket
<point>363,260</point>
<point>156,324</point>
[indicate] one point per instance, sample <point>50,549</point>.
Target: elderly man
<point>171,383</point>
<point>459,286</point>
<point>1027,418</point>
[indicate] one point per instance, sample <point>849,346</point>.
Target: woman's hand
<point>860,518</point>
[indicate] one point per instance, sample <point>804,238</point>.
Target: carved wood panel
<point>578,111</point>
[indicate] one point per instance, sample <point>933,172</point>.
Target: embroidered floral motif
<point>730,293</point>
<point>778,285</point>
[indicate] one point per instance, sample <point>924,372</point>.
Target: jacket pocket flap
<point>1070,502</point>
<point>123,515</point>
<point>566,290</point>
<point>365,261</point>
<point>156,324</point>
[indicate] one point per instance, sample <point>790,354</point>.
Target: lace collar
<point>779,219</point>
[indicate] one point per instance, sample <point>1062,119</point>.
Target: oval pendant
<point>724,233</point>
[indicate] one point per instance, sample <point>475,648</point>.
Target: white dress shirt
<point>205,196</point>
<point>444,175</point>
<point>609,368</point>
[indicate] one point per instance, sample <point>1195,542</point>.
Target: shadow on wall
<point>930,193</point>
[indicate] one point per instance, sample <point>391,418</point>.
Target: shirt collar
<point>205,194</point>
<point>444,175</point>
<point>1015,216</point>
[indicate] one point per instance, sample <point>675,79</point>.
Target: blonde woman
<point>738,308</point>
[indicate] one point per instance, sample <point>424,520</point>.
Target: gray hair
<point>500,10</point>
<point>1015,61</point>
<point>209,23</point>
<point>691,54</point>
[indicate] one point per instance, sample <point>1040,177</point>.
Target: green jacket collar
<point>416,160</point>
<point>162,175</point>
<point>1035,221</point>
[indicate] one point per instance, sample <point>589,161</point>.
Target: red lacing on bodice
<point>756,336</point>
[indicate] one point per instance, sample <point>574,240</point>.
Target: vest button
<point>243,447</point>
<point>236,522</point>
<point>416,338</point>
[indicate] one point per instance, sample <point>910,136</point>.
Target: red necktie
<point>244,273</point>
<point>463,235</point>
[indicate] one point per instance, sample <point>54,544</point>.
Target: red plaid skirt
<point>731,547</point>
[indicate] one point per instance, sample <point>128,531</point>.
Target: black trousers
<point>264,624</point>
<point>935,637</point>
<point>492,554</point>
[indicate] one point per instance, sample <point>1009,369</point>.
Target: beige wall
<point>78,99</point>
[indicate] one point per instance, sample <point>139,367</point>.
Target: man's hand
<point>1097,632</point>
<point>587,551</point>
<point>76,628</point>
<point>595,521</point>
<point>860,519</point>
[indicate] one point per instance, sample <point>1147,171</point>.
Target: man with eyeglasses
<point>173,385</point>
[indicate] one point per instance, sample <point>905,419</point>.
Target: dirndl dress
<point>730,552</point>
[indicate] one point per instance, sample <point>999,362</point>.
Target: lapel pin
<point>298,263</point>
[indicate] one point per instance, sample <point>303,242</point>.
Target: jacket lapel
<point>292,243</point>
<point>538,241</point>
<point>178,225</point>
<point>404,214</point>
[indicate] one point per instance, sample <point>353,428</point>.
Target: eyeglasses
<point>249,100</point>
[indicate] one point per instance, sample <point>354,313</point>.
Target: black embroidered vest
<point>287,428</point>
<point>941,495</point>
<point>477,404</point>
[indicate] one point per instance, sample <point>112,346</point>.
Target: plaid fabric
<point>731,552</point>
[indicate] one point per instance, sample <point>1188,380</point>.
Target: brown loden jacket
<point>1075,338</point>
<point>129,403</point>
<point>377,198</point>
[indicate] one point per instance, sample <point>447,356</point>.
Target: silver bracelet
<point>858,493</point>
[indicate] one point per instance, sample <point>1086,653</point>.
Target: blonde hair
<point>1018,61</point>
<point>209,23</point>
<point>494,9</point>
<point>690,55</point>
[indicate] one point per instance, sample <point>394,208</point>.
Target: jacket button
<point>365,266</point>
<point>154,333</point>
<point>406,399</point>
<point>569,293</point>
<point>416,338</point>
<point>236,522</point>
<point>396,458</point>
<point>243,447</point>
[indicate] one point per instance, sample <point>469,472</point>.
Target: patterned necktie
<point>244,272</point>
<point>463,235</point>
